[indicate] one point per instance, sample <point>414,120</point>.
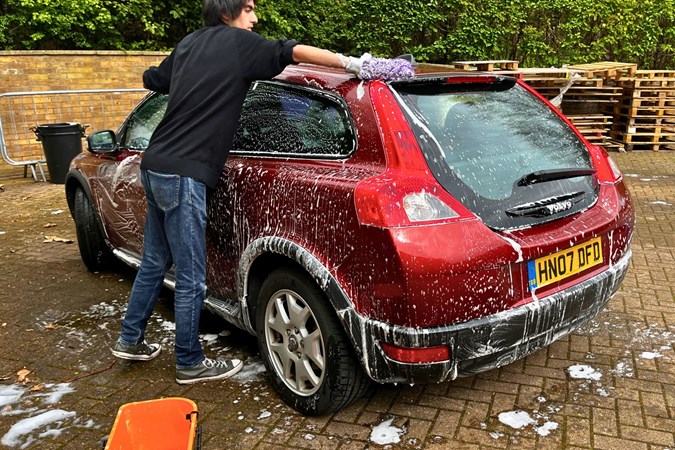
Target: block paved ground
<point>57,320</point>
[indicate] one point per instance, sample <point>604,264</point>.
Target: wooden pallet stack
<point>596,128</point>
<point>487,66</point>
<point>590,102</point>
<point>606,69</point>
<point>645,113</point>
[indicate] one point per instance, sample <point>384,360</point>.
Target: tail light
<point>608,171</point>
<point>406,193</point>
<point>394,200</point>
<point>423,207</point>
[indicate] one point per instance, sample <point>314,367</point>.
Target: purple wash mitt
<point>386,69</point>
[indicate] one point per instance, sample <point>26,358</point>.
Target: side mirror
<point>102,142</point>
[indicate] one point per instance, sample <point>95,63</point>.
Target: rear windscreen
<point>482,139</point>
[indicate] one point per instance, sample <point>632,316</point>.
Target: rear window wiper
<point>552,174</point>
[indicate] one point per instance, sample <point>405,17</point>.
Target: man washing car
<point>207,77</point>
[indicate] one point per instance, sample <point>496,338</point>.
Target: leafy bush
<point>95,24</point>
<point>538,33</point>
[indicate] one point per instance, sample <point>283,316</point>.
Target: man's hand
<point>366,67</point>
<point>352,64</point>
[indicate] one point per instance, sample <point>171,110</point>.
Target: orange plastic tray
<point>162,424</point>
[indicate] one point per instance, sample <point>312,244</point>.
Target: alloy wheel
<point>294,342</point>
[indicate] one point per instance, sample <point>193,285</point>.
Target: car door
<point>289,152</point>
<point>125,218</point>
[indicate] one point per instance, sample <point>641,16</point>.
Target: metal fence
<point>21,112</point>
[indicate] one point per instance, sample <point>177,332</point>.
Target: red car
<point>413,231</point>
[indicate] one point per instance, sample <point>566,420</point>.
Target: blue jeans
<point>175,230</point>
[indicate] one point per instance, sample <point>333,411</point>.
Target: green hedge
<point>536,33</point>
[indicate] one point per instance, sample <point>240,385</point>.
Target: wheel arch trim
<point>75,179</point>
<point>296,253</point>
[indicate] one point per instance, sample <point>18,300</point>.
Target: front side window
<point>143,121</point>
<point>291,121</point>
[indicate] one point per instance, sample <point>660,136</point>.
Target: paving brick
<point>309,441</point>
<point>476,414</point>
<point>443,402</point>
<point>466,394</point>
<point>436,389</point>
<point>420,412</point>
<point>654,405</point>
<point>669,392</point>
<point>580,343</point>
<point>502,402</point>
<point>578,432</point>
<point>433,445</point>
<point>349,414</point>
<point>523,441</point>
<point>548,372</point>
<point>528,395</point>
<point>367,418</point>
<point>446,424</point>
<point>381,401</point>
<point>642,434</point>
<point>559,349</point>
<point>660,424</point>
<point>316,423</point>
<point>495,386</point>
<point>521,378</point>
<point>473,435</point>
<point>417,431</point>
<point>610,443</point>
<point>353,445</point>
<point>630,413</point>
<point>537,358</point>
<point>348,430</point>
<point>626,393</point>
<point>642,385</point>
<point>489,375</point>
<point>604,422</point>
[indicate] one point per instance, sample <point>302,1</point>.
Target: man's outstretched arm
<point>321,57</point>
<point>314,55</point>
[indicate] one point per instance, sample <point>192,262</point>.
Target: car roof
<point>331,78</point>
<point>317,76</point>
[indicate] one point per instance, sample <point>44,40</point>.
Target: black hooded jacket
<point>207,76</point>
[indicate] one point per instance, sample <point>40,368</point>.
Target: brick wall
<point>22,71</point>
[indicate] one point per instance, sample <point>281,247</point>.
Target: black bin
<point>61,142</point>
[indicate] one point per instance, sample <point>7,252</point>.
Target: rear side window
<point>284,120</point>
<point>481,139</point>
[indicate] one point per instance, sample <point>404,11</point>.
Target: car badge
<point>555,208</point>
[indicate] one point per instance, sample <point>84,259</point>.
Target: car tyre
<point>94,251</point>
<point>305,350</point>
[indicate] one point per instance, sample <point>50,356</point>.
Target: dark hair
<point>213,9</point>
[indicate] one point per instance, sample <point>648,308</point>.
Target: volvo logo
<point>559,207</point>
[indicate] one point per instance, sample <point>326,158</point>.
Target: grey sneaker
<point>209,369</point>
<point>138,352</point>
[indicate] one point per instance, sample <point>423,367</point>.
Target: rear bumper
<point>486,343</point>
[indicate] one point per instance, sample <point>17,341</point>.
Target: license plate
<point>565,263</point>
